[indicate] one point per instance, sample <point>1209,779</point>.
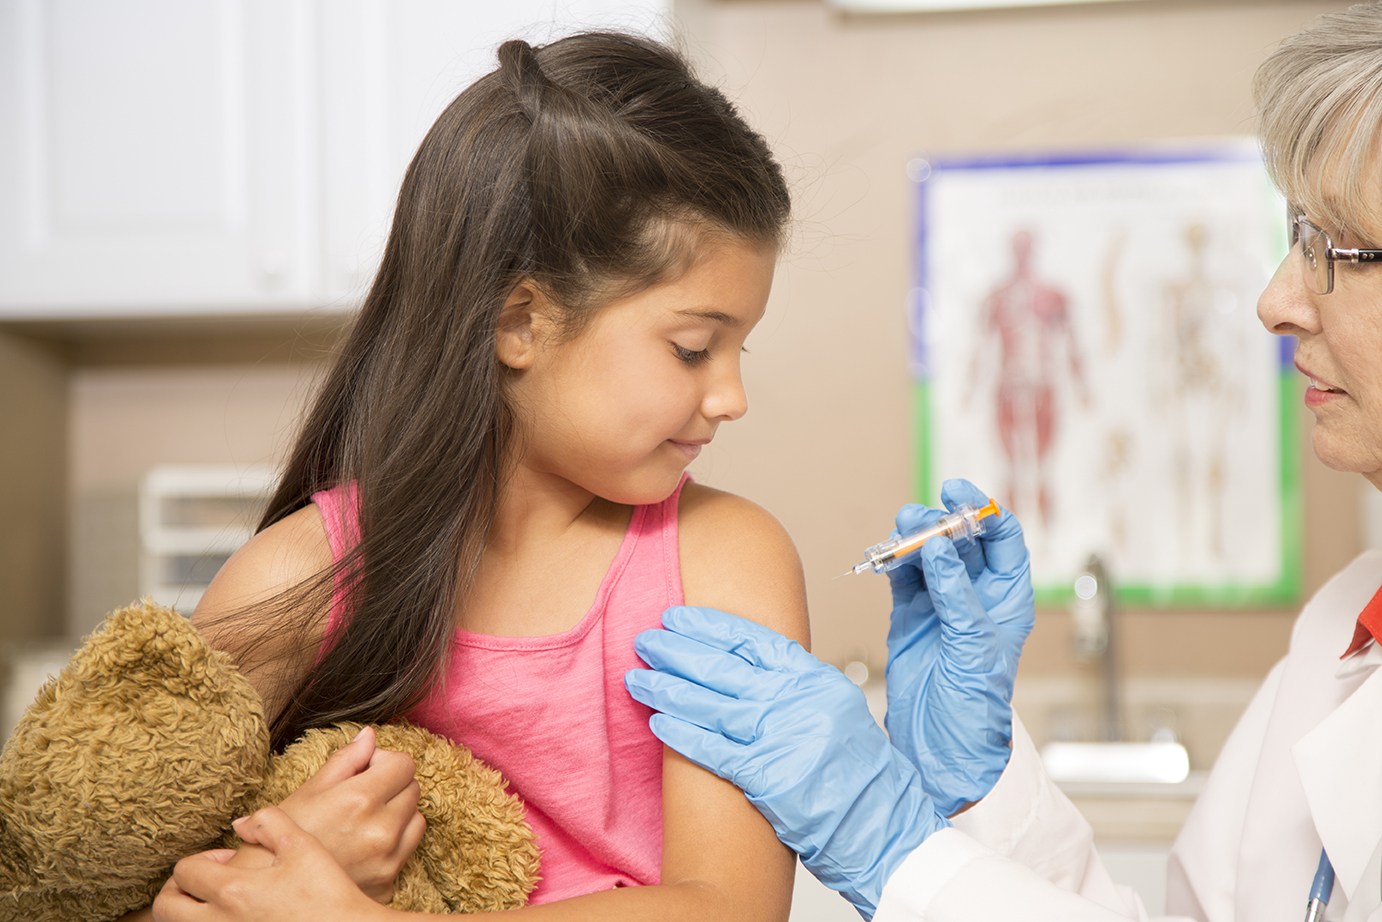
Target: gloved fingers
<point>1007,586</point>
<point>910,626</point>
<point>915,515</point>
<point>907,580</point>
<point>687,701</point>
<point>968,633</point>
<point>955,493</point>
<point>709,750</point>
<point>711,667</point>
<point>1005,549</point>
<point>683,656</point>
<point>748,640</point>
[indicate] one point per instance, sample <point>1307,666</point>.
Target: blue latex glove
<point>958,625</point>
<point>756,709</point>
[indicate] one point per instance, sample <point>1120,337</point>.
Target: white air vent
<point>191,519</point>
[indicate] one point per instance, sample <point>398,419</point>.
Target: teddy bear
<point>149,743</point>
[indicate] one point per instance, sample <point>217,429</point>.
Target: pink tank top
<point>552,715</point>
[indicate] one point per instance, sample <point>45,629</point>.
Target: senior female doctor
<point>944,821</point>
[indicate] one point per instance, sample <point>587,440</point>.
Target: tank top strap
<point>654,563</point>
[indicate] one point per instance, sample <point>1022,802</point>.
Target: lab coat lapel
<point>1368,906</point>
<point>1340,766</point>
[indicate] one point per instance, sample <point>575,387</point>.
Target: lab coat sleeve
<point>952,878</point>
<point>1022,852</point>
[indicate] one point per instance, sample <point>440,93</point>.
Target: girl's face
<point>623,408</point>
<point>1339,348</point>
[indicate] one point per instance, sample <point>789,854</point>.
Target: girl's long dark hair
<point>574,165</point>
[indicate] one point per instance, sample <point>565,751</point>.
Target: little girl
<point>488,500</point>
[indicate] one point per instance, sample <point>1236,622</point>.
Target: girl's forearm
<point>690,901</point>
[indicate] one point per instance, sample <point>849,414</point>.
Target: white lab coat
<point>1303,766</point>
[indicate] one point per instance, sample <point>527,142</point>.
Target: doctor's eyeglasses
<point>1319,253</point>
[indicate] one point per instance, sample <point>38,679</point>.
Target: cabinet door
<point>156,156</point>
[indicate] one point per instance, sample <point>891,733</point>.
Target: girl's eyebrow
<point>712,315</point>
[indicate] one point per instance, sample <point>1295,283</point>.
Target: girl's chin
<point>644,491</point>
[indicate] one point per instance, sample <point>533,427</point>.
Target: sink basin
<point>1120,763</point>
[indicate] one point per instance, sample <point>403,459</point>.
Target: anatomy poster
<point>1086,348</point>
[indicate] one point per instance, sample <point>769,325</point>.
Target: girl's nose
<point>1287,307</point>
<point>726,400</point>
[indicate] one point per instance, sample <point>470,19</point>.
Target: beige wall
<point>33,489</point>
<point>846,101</point>
<point>138,397</point>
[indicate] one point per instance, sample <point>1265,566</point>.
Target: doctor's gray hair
<point>1319,103</point>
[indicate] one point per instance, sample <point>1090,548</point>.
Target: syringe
<point>965,522</point>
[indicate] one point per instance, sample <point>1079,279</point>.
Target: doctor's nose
<point>1286,307</point>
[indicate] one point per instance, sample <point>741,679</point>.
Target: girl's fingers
<point>348,761</point>
<point>405,801</point>
<point>196,879</point>
<point>390,773</point>
<point>412,834</point>
<point>270,827</point>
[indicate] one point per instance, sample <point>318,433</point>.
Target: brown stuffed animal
<point>149,743</point>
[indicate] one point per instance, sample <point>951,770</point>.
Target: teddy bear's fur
<point>149,743</point>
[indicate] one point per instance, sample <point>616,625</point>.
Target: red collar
<point>1369,625</point>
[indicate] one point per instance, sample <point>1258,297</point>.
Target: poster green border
<point>1285,590</point>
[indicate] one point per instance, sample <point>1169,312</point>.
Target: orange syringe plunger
<point>966,521</point>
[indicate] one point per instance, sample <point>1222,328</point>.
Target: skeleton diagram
<point>1030,321</point>
<point>1199,390</point>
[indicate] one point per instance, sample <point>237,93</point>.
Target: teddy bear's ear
<point>139,752</point>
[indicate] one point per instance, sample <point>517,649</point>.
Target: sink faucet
<point>1095,637</point>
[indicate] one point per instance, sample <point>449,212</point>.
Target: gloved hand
<point>758,710</point>
<point>958,625</point>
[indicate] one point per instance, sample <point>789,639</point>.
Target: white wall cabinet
<point>174,157</point>
<point>156,156</point>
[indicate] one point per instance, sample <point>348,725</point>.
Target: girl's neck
<point>547,553</point>
<point>536,509</point>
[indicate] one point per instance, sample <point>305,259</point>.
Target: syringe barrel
<point>965,522</point>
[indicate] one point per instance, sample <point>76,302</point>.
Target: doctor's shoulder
<point>737,557</point>
<point>266,606</point>
<point>1328,619</point>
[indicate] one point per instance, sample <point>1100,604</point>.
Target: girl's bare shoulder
<point>736,556</point>
<point>287,554</point>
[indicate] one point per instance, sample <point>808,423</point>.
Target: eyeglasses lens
<point>1314,247</point>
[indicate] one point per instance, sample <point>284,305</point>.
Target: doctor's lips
<point>1317,384</point>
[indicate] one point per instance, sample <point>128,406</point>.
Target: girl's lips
<point>691,449</point>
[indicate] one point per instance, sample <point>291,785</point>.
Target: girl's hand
<point>302,882</point>
<point>362,807</point>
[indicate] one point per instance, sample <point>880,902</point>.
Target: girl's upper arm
<point>736,557</point>
<point>233,614</point>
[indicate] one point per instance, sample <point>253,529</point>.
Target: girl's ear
<point>516,342</point>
